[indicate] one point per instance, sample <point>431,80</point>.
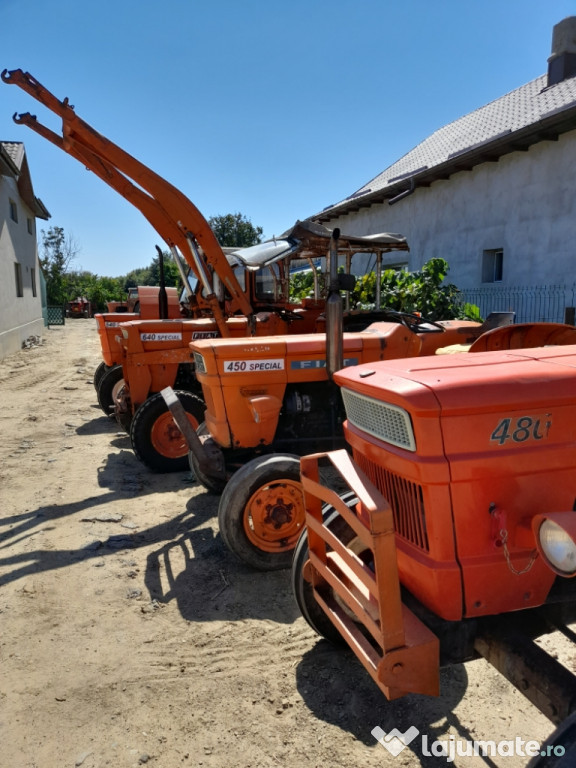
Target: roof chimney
<point>562,62</point>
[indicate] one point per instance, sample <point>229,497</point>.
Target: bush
<point>422,291</point>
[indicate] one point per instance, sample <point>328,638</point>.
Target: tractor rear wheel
<point>106,386</point>
<point>156,440</point>
<point>261,511</point>
<point>99,372</point>
<point>212,484</point>
<point>302,589</point>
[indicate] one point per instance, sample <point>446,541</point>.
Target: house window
<point>493,266</point>
<point>30,225</point>
<point>18,276</point>
<point>13,211</point>
<point>33,280</point>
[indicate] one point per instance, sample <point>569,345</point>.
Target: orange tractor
<point>270,400</point>
<point>142,304</point>
<point>446,529</point>
<point>450,532</point>
<point>79,307</point>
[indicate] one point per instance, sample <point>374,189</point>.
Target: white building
<point>20,289</point>
<point>492,192</point>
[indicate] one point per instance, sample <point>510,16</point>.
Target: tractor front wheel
<point>261,511</point>
<point>156,440</point>
<point>99,372</point>
<point>302,589</point>
<point>110,380</point>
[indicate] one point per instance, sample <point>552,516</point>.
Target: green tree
<point>150,275</point>
<point>98,290</point>
<point>136,277</point>
<point>58,251</point>
<point>171,273</point>
<point>234,230</point>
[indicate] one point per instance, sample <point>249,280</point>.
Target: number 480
<point>519,430</point>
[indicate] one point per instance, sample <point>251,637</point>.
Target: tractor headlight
<point>558,547</point>
<point>199,363</point>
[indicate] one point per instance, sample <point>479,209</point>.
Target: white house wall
<point>524,204</point>
<point>20,317</point>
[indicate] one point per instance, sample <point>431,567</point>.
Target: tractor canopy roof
<point>306,239</point>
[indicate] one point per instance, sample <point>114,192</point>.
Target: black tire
<point>559,749</point>
<point>270,474</point>
<point>99,372</point>
<point>105,391</point>
<point>302,589</point>
<point>156,440</point>
<point>212,484</point>
<point>124,415</point>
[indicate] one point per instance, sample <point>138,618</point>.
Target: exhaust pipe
<point>334,312</point>
<point>162,295</point>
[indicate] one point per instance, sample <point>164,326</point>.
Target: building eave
<point>548,128</point>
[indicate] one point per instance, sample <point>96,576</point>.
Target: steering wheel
<point>416,323</point>
<point>290,314</point>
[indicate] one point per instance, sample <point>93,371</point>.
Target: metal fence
<point>54,316</point>
<point>541,303</point>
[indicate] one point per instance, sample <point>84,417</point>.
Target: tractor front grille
<point>382,420</point>
<point>406,499</point>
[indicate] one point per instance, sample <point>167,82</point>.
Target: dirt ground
<point>130,636</point>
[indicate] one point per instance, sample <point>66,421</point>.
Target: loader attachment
<point>210,462</point>
<point>357,585</point>
<point>172,214</point>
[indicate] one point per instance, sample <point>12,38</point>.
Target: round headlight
<point>558,547</point>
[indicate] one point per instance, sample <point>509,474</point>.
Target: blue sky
<point>272,109</point>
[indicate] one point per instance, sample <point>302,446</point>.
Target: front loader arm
<point>81,141</point>
<point>147,205</point>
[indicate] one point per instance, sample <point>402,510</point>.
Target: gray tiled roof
<point>13,163</point>
<point>15,150</point>
<point>499,120</point>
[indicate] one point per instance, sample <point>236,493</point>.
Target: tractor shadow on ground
<point>338,690</point>
<point>208,583</point>
<point>124,477</point>
<point>99,425</point>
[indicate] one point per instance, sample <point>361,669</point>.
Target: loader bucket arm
<point>147,205</point>
<point>80,140</point>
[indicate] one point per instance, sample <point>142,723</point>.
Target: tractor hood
<point>469,397</point>
<point>463,384</point>
<point>486,442</point>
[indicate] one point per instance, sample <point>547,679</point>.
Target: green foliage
<point>234,230</point>
<point>302,284</point>
<point>151,275</point>
<point>422,291</point>
<point>98,290</point>
<point>64,285</point>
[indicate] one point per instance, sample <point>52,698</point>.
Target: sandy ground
<point>130,636</point>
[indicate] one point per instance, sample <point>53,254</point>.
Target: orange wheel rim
<point>274,516</point>
<point>167,439</point>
